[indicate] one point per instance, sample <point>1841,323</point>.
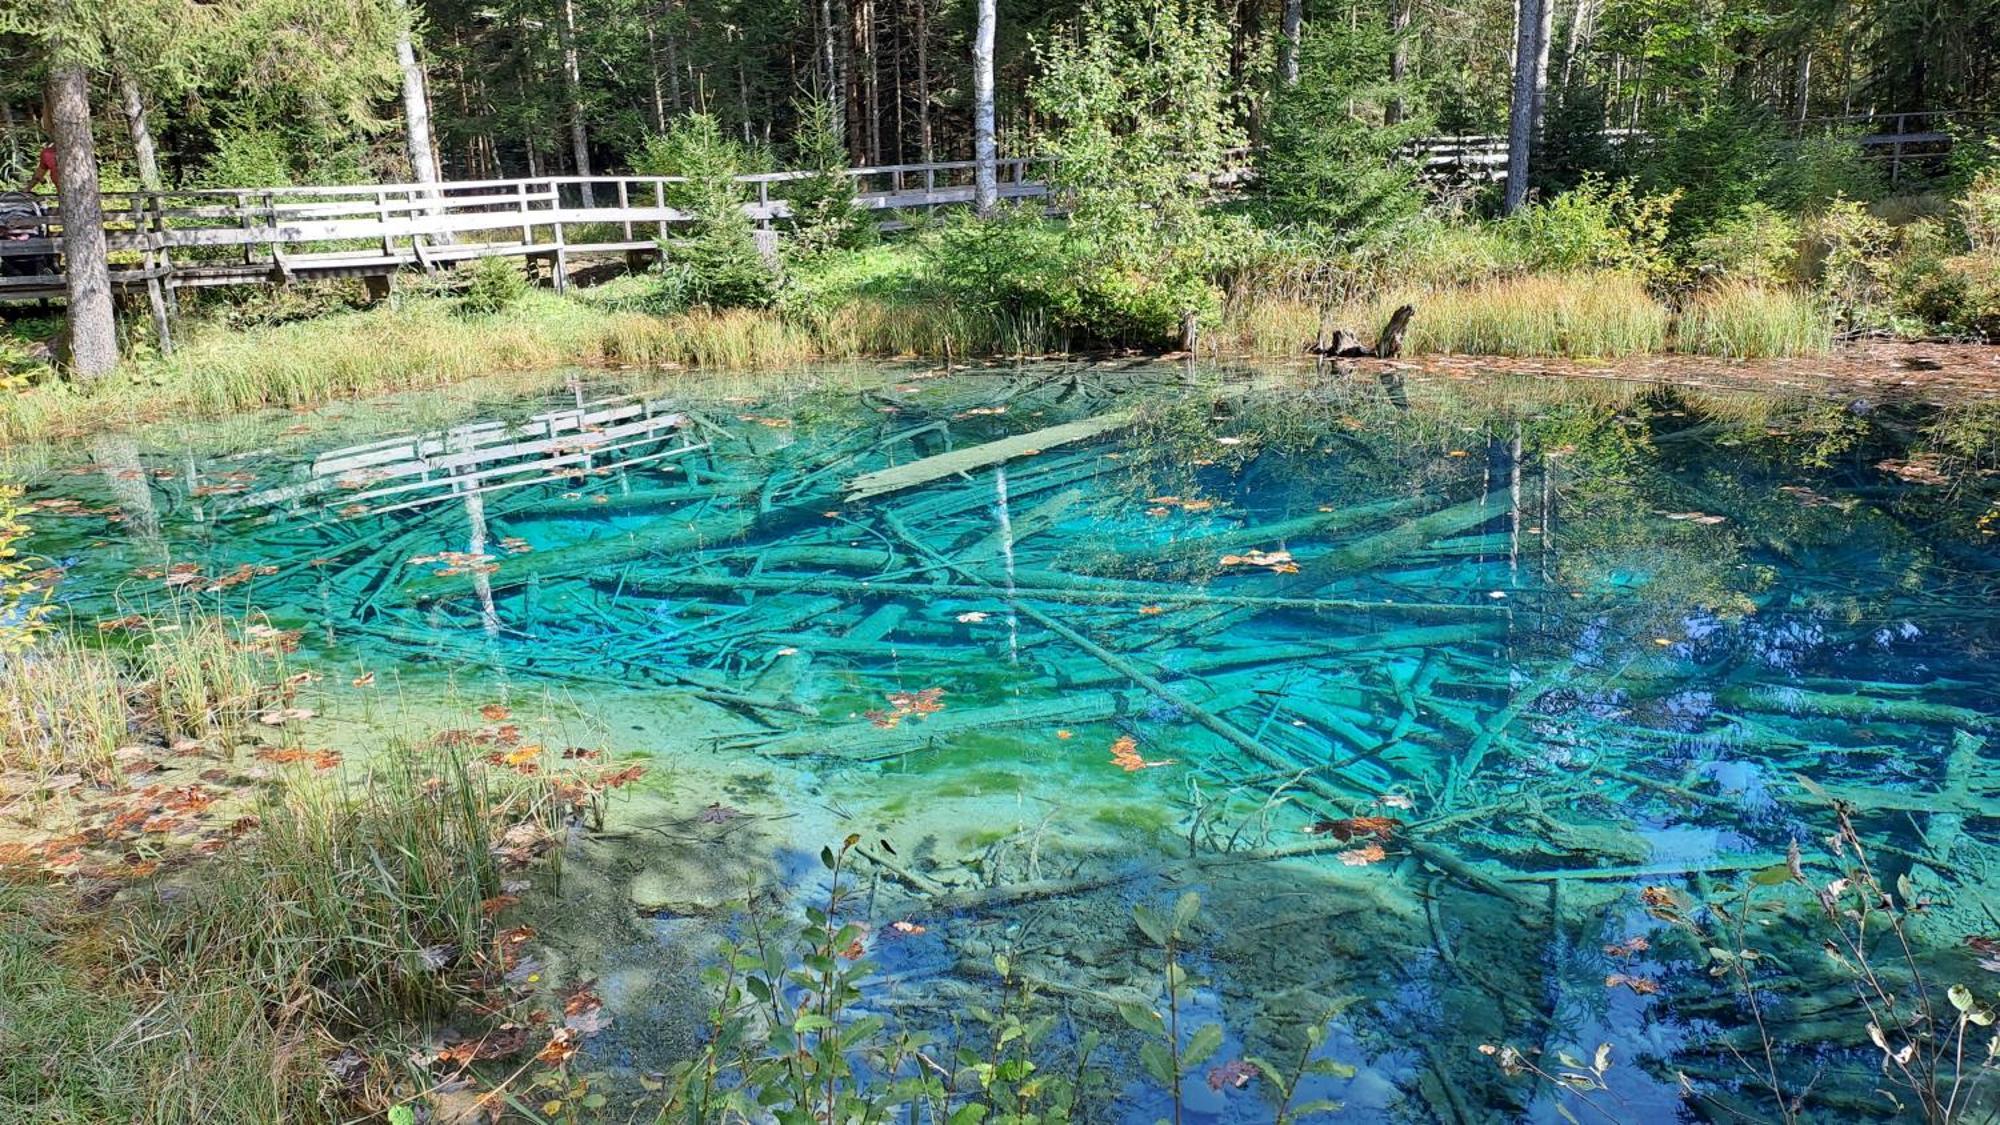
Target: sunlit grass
<point>1745,320</point>
<point>1586,314</point>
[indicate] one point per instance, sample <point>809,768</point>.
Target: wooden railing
<point>170,240</point>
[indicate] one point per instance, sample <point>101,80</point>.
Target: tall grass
<point>67,703</point>
<point>65,707</point>
<point>1746,320</point>
<point>1579,314</point>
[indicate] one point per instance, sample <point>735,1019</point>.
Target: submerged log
<point>942,465</point>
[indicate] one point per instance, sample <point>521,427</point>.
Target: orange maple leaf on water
<point>1125,755</point>
<point>494,712</point>
<point>903,704</point>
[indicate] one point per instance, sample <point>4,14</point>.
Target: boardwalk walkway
<point>166,241</point>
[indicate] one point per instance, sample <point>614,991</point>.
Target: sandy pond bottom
<point>1458,699</point>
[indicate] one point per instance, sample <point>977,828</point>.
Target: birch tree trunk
<point>93,335</point>
<point>829,65</point>
<point>985,151</point>
<point>579,136</point>
<point>1521,118</point>
<point>1291,26</point>
<point>144,152</point>
<point>416,102</point>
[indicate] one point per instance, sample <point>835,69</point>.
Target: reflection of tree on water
<point>1700,596</point>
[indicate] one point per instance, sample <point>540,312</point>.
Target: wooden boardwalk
<point>162,242</point>
<point>166,241</point>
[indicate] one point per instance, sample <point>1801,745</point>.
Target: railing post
<point>155,297</point>
<point>382,216</point>
<point>764,203</point>
<point>166,257</point>
<point>562,239</point>
<point>527,231</point>
<point>271,217</point>
<point>625,205</point>
<point>660,201</point>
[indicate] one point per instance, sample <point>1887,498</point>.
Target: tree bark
<point>579,136</point>
<point>144,152</point>
<point>416,102</point>
<point>659,79</point>
<point>93,334</point>
<point>924,81</point>
<point>1521,118</point>
<point>1399,60</point>
<point>1291,26</point>
<point>835,90</point>
<point>1544,33</point>
<point>985,150</point>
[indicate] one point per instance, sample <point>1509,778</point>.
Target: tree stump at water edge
<point>1340,344</point>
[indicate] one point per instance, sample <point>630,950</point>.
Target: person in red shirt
<point>45,169</point>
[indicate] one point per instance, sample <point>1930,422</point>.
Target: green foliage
<point>23,598</point>
<point>1139,103</point>
<point>1330,159</point>
<point>1979,211</point>
<point>824,214</point>
<point>1757,243</point>
<point>714,261</point>
<point>1733,153</point>
<point>493,285</point>
<point>1851,256</point>
<point>1596,226</point>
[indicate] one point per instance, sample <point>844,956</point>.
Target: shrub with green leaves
<point>824,213</point>
<point>492,286</point>
<point>1757,244</point>
<point>1597,226</point>
<point>714,260</point>
<point>1331,157</point>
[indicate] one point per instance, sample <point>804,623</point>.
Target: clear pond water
<point>1463,702</point>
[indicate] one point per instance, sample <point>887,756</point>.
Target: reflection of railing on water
<point>398,473</point>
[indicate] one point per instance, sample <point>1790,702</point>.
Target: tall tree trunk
<point>653,65</point>
<point>579,136</point>
<point>834,84</point>
<point>144,153</point>
<point>924,142</point>
<point>673,60</point>
<point>416,106</point>
<point>93,332</point>
<point>1543,34</point>
<point>1521,118</point>
<point>985,150</point>
<point>1399,60</point>
<point>1291,26</point>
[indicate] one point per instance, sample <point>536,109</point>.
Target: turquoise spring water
<point>1076,638</point>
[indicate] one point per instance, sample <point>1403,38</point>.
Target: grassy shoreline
<point>424,342</point>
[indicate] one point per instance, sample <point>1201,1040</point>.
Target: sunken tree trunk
<point>985,151</point>
<point>93,335</point>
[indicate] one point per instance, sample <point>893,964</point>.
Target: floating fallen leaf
<point>1644,986</point>
<point>1125,755</point>
<point>1065,735</point>
<point>1628,947</point>
<point>904,929</point>
<point>1150,610</point>
<point>365,679</point>
<point>494,713</point>
<point>972,618</point>
<point>279,716</point>
<point>1234,1074</point>
<point>904,704</point>
<point>562,1047</point>
<point>1362,856</point>
<point>1278,562</point>
<point>1357,827</point>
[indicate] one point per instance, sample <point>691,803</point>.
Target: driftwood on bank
<point>1339,344</point>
